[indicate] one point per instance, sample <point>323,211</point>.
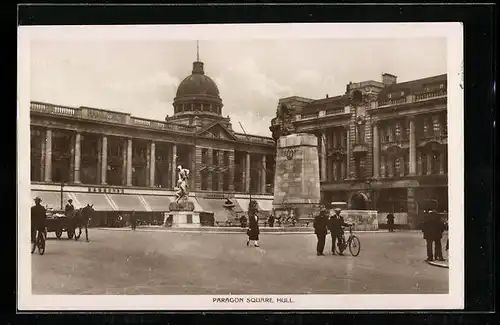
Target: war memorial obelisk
<point>296,180</point>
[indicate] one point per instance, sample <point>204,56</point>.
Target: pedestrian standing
<point>321,229</point>
<point>270,220</point>
<point>335,225</point>
<point>253,224</point>
<point>390,222</point>
<point>133,220</point>
<point>433,233</point>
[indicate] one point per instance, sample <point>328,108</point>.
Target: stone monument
<point>296,184</point>
<point>182,209</point>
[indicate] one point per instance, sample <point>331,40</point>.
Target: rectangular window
<point>358,168</point>
<point>436,127</point>
<point>398,132</point>
<point>204,156</point>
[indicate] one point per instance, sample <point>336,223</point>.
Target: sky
<point>141,77</point>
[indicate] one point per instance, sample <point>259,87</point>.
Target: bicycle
<point>39,242</point>
<point>352,242</point>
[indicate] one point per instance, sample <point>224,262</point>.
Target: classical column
<point>412,207</point>
<point>413,148</point>
<point>129,162</point>
<point>376,151</point>
<point>42,158</point>
<point>192,166</point>
<point>174,165</point>
<point>124,162</point>
<point>442,162</point>
<point>196,170</point>
<point>152,163</point>
<point>71,171</point>
<point>342,169</point>
<point>148,166</point>
<point>78,158</point>
<point>322,141</point>
<point>48,155</point>
<point>429,163</point>
<point>263,175</point>
<point>247,172</point>
<point>99,160</point>
<point>382,166</point>
<point>210,161</point>
<point>104,160</point>
<point>348,151</point>
<point>231,170</point>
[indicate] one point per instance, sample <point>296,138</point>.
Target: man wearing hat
<point>38,219</point>
<point>335,225</point>
<point>69,209</point>
<point>320,225</point>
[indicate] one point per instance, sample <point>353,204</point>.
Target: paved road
<point>158,262</point>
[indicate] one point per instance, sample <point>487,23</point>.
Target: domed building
<point>122,163</point>
<point>197,101</point>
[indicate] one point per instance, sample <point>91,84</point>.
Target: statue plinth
<point>296,184</point>
<point>181,214</point>
<point>183,204</point>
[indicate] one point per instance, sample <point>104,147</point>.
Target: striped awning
<point>99,200</point>
<point>243,203</point>
<point>216,207</point>
<point>127,202</point>
<point>157,203</point>
<point>265,205</point>
<point>52,199</point>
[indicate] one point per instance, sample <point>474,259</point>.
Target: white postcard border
<point>453,32</point>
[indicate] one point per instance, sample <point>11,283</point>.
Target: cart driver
<point>69,209</point>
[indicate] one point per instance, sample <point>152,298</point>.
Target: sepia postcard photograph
<point>245,167</point>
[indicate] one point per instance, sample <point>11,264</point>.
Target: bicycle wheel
<point>41,244</point>
<point>354,246</point>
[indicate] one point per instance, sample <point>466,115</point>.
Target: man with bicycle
<point>335,225</point>
<point>38,219</point>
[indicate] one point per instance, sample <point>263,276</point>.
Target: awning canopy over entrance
<point>127,202</point>
<point>51,199</point>
<point>100,201</point>
<point>216,207</point>
<point>157,203</point>
<point>265,205</point>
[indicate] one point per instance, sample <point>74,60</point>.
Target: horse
<point>81,219</point>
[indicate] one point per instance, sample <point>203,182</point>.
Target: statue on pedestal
<point>182,202</point>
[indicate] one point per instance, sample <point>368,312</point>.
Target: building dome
<point>197,83</point>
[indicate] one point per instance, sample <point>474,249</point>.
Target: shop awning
<point>99,200</point>
<point>265,205</point>
<point>157,203</point>
<point>127,202</point>
<point>243,203</point>
<point>214,206</point>
<point>51,199</point>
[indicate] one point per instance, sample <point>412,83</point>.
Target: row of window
<point>212,108</point>
<point>427,88</point>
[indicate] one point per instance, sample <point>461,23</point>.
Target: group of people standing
<point>433,228</point>
<point>323,223</point>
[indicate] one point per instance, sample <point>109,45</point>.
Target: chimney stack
<point>389,79</point>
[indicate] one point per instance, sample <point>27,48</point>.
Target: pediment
<point>217,131</point>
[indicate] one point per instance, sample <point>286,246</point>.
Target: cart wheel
<point>59,233</point>
<point>70,234</point>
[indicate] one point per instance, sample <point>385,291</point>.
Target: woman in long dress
<point>253,225</point>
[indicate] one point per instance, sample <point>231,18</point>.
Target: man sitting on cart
<point>69,210</point>
<point>38,219</point>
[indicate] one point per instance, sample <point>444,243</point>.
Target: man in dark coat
<point>390,222</point>
<point>38,219</point>
<point>335,225</point>
<point>253,224</point>
<point>433,233</point>
<point>133,220</point>
<point>69,210</point>
<point>321,229</point>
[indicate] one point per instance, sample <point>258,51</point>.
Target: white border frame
<point>453,32</point>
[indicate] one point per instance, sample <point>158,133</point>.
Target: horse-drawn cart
<point>58,223</point>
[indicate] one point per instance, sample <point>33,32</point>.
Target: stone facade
<point>297,182</point>
<point>394,158</point>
